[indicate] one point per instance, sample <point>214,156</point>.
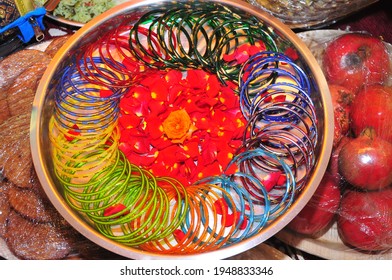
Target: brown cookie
<point>21,93</point>
<point>4,110</point>
<point>5,207</point>
<point>15,156</point>
<point>31,206</point>
<point>56,44</point>
<point>37,241</point>
<point>13,65</point>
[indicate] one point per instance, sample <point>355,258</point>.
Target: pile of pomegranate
<point>356,191</point>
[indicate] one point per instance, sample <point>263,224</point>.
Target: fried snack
<point>4,111</point>
<point>4,206</point>
<point>20,95</point>
<point>32,206</point>
<point>37,241</point>
<point>13,65</point>
<point>15,157</point>
<point>56,44</point>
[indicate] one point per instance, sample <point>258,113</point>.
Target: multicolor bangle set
<point>128,203</point>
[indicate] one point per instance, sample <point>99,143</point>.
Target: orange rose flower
<point>178,126</point>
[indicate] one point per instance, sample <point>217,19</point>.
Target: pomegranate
<point>318,214</point>
<point>333,165</point>
<point>356,59</point>
<point>341,101</point>
<point>365,220</point>
<point>366,161</point>
<point>372,107</point>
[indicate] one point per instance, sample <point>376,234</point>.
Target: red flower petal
<point>231,170</point>
<point>244,222</point>
<point>228,220</point>
<point>271,180</point>
<point>136,101</point>
<point>206,102</point>
<point>139,145</point>
<point>237,217</point>
<point>161,142</point>
<point>197,79</point>
<point>105,93</point>
<point>157,107</point>
<point>114,209</point>
<point>191,148</point>
<point>158,168</point>
<point>155,77</point>
<point>229,98</point>
<point>160,90</point>
<point>129,121</point>
<point>279,98</point>
<point>209,152</point>
<point>128,134</point>
<point>208,170</point>
<point>153,127</point>
<point>143,160</point>
<point>173,77</point>
<point>291,53</point>
<point>257,47</point>
<point>221,206</point>
<point>213,86</point>
<point>241,57</point>
<point>229,57</point>
<point>195,105</point>
<point>225,155</point>
<point>176,94</point>
<point>74,131</point>
<point>172,154</point>
<point>179,235</point>
<point>282,180</point>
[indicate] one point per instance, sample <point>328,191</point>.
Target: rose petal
<point>221,206</point>
<point>129,121</point>
<point>191,148</point>
<point>179,235</point>
<point>156,106</point>
<point>74,131</point>
<point>241,57</point>
<point>173,77</point>
<point>212,169</point>
<point>197,79</point>
<point>271,180</point>
<point>114,209</point>
<point>291,53</point>
<point>105,93</point>
<point>213,86</point>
